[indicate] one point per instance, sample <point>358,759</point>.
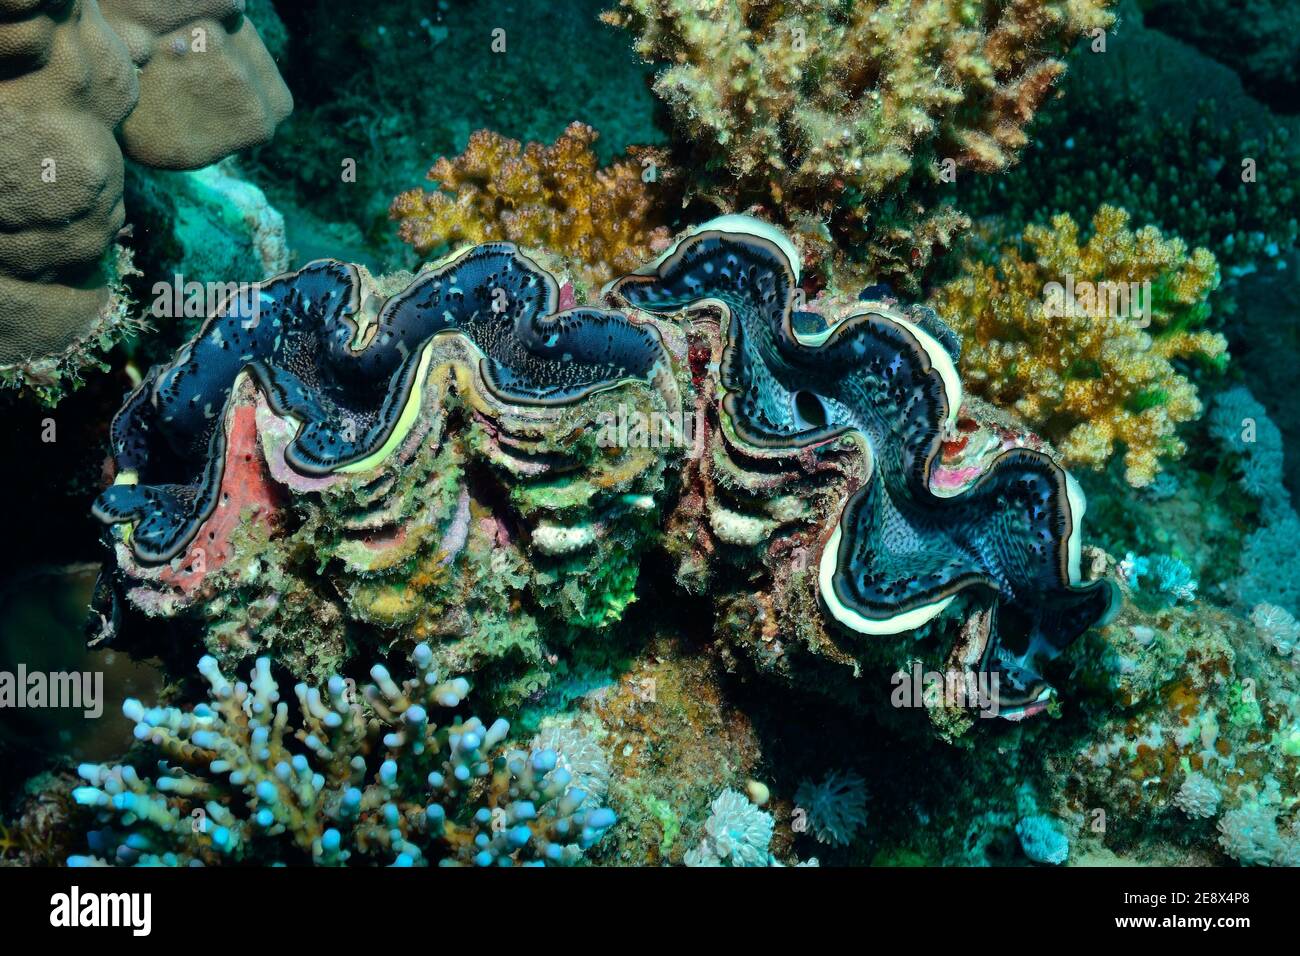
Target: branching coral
<point>1081,338</point>
<point>605,221</point>
<point>383,782</point>
<point>1184,177</point>
<point>832,111</point>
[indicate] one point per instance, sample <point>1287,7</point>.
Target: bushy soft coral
<point>606,221</point>
<point>1096,376</point>
<point>382,781</point>
<point>833,111</point>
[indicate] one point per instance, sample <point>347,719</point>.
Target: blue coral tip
<point>265,818</point>
<point>266,791</point>
<point>554,851</point>
<point>330,840</point>
<point>523,810</point>
<point>519,837</point>
<point>415,715</point>
<point>404,860</point>
<point>87,796</point>
<point>483,859</point>
<point>483,816</point>
<point>388,773</point>
<point>602,819</point>
<point>422,654</point>
<point>544,760</point>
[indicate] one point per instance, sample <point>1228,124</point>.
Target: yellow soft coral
<point>605,221</point>
<point>837,110</point>
<point>1048,334</point>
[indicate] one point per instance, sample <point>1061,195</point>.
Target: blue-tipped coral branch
<point>382,781</point>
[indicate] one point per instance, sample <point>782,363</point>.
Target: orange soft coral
<point>1042,334</point>
<point>605,221</point>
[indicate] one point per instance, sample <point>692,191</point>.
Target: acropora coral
<point>1081,338</point>
<point>555,197</point>
<point>392,776</point>
<point>839,115</point>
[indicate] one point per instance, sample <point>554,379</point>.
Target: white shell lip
<point>906,621</point>
<point>736,224</point>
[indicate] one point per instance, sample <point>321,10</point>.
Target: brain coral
<point>834,111</point>
<point>68,83</point>
<point>423,443</point>
<point>554,198</point>
<point>1080,338</point>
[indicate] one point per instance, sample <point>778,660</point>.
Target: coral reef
<point>386,781</point>
<point>1183,175</point>
<point>274,447</point>
<point>1080,338</point>
<point>1193,735</point>
<point>837,116</point>
<point>70,84</point>
<point>61,202</point>
<point>552,198</point>
<point>1270,568</point>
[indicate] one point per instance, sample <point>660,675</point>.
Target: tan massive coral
<point>208,86</point>
<point>69,84</point>
<point>66,82</point>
